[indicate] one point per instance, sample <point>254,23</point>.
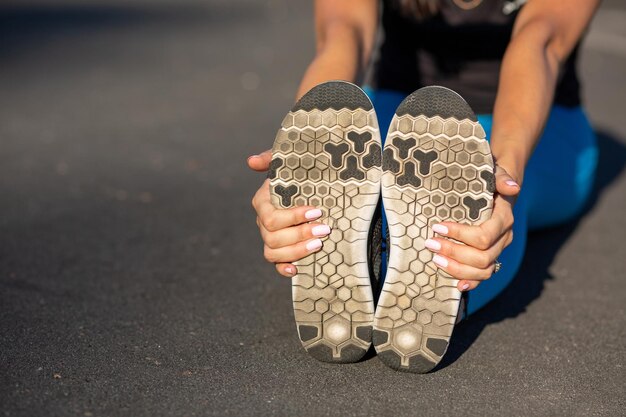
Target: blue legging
<point>557,182</point>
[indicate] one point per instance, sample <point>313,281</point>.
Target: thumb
<point>260,162</point>
<point>505,184</point>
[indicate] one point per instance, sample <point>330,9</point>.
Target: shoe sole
<point>437,166</point>
<point>328,154</point>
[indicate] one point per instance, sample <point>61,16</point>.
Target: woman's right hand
<point>287,234</point>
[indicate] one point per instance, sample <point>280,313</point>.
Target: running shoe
<point>437,166</point>
<point>328,154</point>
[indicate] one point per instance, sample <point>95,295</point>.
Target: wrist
<point>515,172</point>
<point>511,147</point>
<point>512,162</point>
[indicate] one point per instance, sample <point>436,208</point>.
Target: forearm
<point>345,32</point>
<point>525,93</point>
<point>341,58</point>
<point>544,35</point>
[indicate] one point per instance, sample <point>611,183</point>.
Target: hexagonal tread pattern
<point>330,157</point>
<point>451,171</point>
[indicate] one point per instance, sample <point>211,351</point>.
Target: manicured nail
<point>511,183</point>
<point>441,229</point>
<point>440,261</point>
<point>321,230</point>
<point>314,245</point>
<point>313,214</point>
<point>289,270</point>
<point>432,244</point>
<point>465,287</point>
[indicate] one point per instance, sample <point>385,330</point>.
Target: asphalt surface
<point>131,275</point>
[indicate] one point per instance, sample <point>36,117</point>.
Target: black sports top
<point>461,47</point>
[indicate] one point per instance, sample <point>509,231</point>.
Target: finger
<point>465,254</point>
<point>292,253</point>
<point>462,271</point>
<point>260,162</point>
<point>262,195</point>
<point>286,269</point>
<point>480,237</point>
<point>274,219</point>
<point>505,184</point>
<point>292,235</point>
<point>466,285</point>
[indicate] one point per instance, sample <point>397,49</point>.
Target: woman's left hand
<point>473,260</point>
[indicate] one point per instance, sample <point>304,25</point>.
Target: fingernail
<point>321,230</point>
<point>440,228</point>
<point>465,287</point>
<point>313,214</point>
<point>432,244</point>
<point>440,261</point>
<point>289,270</point>
<point>314,245</point>
<point>511,183</point>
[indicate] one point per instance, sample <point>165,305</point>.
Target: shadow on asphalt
<point>541,249</point>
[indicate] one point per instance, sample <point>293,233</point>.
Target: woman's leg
<point>557,184</point>
<point>561,171</point>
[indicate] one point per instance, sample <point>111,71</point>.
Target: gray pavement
<point>131,275</point>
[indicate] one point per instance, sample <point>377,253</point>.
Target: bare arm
<point>345,32</point>
<point>544,35</point>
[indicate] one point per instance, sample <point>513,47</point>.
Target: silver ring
<point>498,266</point>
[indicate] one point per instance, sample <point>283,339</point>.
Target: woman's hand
<point>473,260</point>
<point>287,233</point>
